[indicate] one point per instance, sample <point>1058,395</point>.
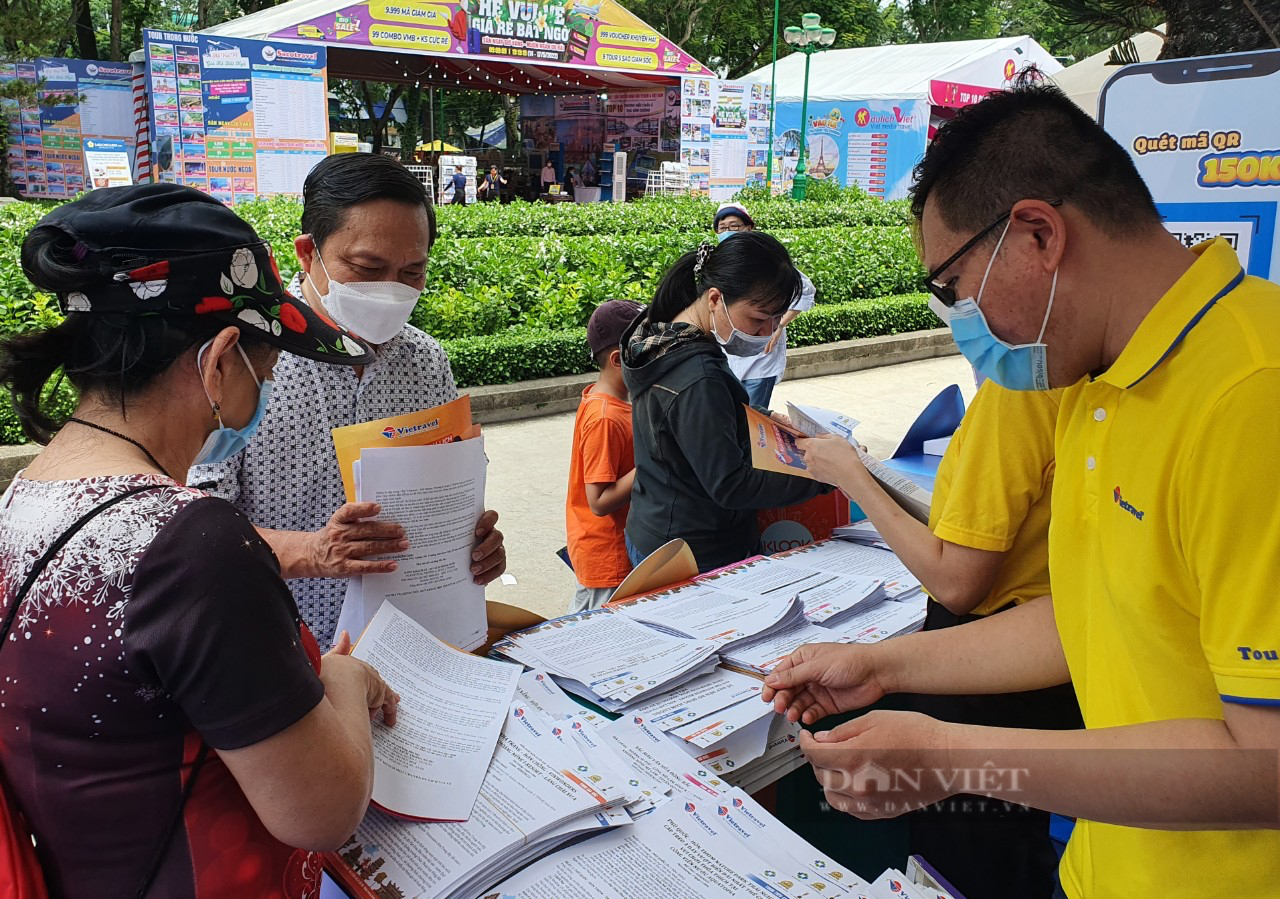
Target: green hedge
<point>60,400</point>
<point>521,355</point>
<point>481,286</point>
<point>509,287</point>
<point>276,219</point>
<point>525,354</point>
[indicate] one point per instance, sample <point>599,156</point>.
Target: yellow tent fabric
<point>439,146</point>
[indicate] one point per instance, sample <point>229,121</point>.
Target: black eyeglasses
<point>946,292</point>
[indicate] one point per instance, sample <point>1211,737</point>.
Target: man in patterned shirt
<point>368,226</point>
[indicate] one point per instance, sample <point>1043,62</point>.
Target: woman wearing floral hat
<point>170,728</point>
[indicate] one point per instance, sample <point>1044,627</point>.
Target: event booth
<point>873,109</point>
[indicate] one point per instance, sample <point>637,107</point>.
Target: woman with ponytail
<point>169,726</point>
<point>694,477</point>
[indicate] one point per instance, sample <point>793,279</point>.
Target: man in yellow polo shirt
<point>985,550</point>
<point>1164,542</point>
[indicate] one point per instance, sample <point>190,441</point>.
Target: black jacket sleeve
<point>711,427</point>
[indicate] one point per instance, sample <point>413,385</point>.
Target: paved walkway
<point>529,464</point>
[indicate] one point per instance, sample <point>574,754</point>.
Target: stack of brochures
<point>709,840</point>
<point>722,616</point>
<point>607,658</point>
<point>881,621</point>
<point>857,559</point>
<point>863,532</point>
<point>888,619</point>
<point>827,597</point>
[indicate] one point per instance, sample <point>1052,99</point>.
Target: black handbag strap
<point>153,867</point>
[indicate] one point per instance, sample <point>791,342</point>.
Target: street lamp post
<point>810,39</point>
<point>773,89</point>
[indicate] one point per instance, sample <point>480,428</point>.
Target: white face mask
<point>374,310</point>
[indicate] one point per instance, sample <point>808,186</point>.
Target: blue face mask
<point>225,442</point>
<point>724,235</point>
<point>1022,367</point>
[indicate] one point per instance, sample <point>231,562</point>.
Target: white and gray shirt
<point>772,365</point>
<point>288,478</point>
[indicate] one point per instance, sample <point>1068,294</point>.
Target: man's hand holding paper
<point>823,679</point>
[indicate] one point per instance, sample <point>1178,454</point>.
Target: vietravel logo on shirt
<point>1128,507</point>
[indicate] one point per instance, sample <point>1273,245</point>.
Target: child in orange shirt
<point>602,466</point>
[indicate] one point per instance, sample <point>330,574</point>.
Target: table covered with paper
<point>632,742</point>
<point>609,753</point>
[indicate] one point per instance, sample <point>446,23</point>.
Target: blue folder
<point>939,419</point>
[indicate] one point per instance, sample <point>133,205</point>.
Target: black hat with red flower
<point>164,249</point>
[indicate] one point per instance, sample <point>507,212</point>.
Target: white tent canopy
<point>1083,81</point>
<point>903,71</point>
<point>264,22</point>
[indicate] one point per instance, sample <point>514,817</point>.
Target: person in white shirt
<point>368,226</point>
<point>548,176</point>
<point>760,374</point>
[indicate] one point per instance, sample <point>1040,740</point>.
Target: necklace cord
<point>125,437</point>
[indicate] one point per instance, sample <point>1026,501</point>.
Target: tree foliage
<point>735,37</point>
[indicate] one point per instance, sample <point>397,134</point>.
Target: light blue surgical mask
<point>1021,367</point>
<point>225,442</point>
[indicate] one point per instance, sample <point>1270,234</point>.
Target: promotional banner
<point>873,144</point>
<point>538,120</point>
<point>579,126</point>
<point>644,119</point>
<point>724,134</point>
<point>603,35</point>
<point>25,149</point>
<point>1211,161</point>
<point>47,141</point>
<point>236,118</point>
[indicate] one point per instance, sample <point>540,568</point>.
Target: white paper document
<point>763,656</point>
<point>856,560</point>
<point>452,705</point>
<point>814,420</point>
<point>678,852</point>
<point>719,726</point>
<point>913,498</point>
<point>528,793</point>
<point>760,576</point>
<point>608,658</point>
<point>436,493</point>
<point>888,619</point>
<point>715,614</point>
<point>735,749</point>
<point>698,698</point>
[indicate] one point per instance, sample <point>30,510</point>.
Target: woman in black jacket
<point>694,477</point>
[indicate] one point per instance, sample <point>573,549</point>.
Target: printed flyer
<point>443,424</point>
